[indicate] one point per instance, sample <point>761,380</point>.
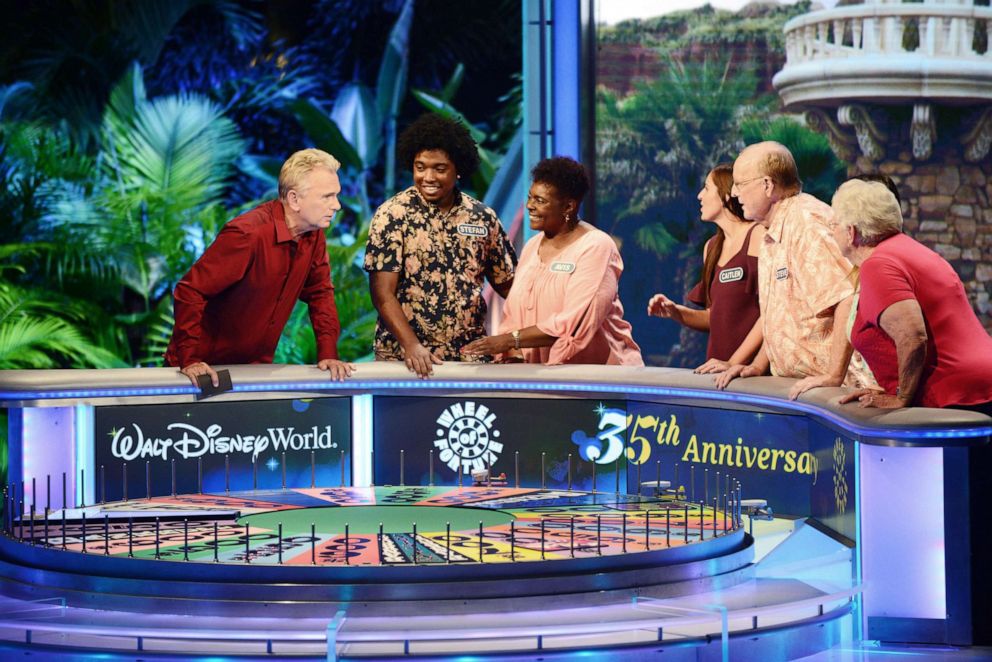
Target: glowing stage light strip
<point>84,455</point>
<point>860,617</point>
<point>69,394</point>
<point>361,440</point>
<point>31,432</point>
<point>627,390</point>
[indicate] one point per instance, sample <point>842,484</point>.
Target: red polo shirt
<point>958,367</point>
<point>233,304</point>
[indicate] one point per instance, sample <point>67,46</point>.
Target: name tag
<point>472,230</point>
<point>563,267</point>
<point>732,275</point>
<point>782,273</point>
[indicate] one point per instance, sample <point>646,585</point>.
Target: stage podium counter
<point>892,484</point>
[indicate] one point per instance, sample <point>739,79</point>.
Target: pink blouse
<point>574,298</point>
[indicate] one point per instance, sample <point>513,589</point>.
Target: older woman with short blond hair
<point>914,324</point>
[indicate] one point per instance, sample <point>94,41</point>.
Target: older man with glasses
<point>803,279</point>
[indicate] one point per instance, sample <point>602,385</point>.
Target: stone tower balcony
<point>890,53</point>
<point>888,50</point>
<point>905,89</point>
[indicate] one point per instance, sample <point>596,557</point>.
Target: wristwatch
<point>516,338</point>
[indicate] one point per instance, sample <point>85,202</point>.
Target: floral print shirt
<point>802,276</point>
<point>442,260</point>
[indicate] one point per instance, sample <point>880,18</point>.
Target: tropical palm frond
<point>174,144</point>
<point>34,160</point>
<point>157,331</point>
<point>660,141</point>
<point>10,253</point>
<point>147,25</point>
<point>83,50</point>
<point>45,181</point>
<point>168,160</point>
<point>32,337</point>
<point>30,342</point>
<point>355,341</point>
<point>12,93</point>
<point>297,343</point>
<point>654,237</point>
<point>73,224</point>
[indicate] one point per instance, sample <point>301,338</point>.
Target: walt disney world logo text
<point>131,443</point>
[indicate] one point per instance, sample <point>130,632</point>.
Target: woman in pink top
<point>563,306</point>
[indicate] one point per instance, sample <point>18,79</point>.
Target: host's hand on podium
<point>194,370</point>
<point>339,369</point>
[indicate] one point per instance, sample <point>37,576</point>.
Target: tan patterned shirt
<point>443,260</point>
<point>802,276</point>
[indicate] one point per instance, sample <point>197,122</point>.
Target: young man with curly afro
<point>430,250</point>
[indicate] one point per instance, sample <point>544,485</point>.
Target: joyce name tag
<point>472,230</point>
<point>732,275</point>
<point>782,273</point>
<point>563,267</point>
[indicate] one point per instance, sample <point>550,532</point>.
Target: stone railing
<point>889,52</point>
<point>951,29</point>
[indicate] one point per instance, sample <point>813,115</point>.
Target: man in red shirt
<point>233,304</point>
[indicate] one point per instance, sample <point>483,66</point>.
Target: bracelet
<point>516,338</point>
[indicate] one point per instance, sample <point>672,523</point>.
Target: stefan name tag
<point>563,267</point>
<point>782,273</point>
<point>732,275</point>
<point>472,230</point>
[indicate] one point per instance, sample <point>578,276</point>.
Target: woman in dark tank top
<point>728,289</point>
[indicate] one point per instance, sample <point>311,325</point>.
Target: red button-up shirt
<point>233,304</point>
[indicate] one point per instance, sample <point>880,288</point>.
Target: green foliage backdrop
<point>131,132</point>
<point>662,124</point>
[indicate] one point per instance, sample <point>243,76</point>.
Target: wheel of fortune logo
<point>466,437</point>
<point>840,480</point>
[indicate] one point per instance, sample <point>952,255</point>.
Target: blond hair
<point>301,164</point>
<point>868,207</point>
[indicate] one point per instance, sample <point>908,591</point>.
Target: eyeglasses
<point>738,185</point>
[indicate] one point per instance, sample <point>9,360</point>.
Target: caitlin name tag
<point>563,267</point>
<point>472,230</point>
<point>782,273</point>
<point>732,275</point>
